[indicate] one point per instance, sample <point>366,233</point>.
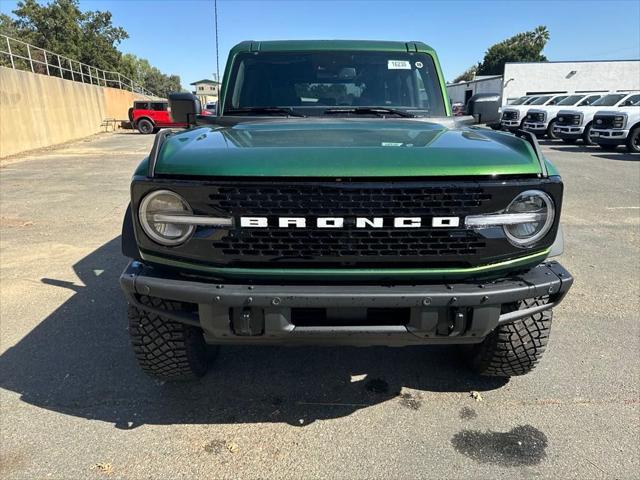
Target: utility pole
<point>215,13</point>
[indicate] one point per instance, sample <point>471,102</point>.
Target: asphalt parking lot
<point>75,404</point>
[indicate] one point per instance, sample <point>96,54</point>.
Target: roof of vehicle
<point>329,45</point>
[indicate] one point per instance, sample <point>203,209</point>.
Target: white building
<point>462,91</point>
<point>206,90</point>
<point>553,77</point>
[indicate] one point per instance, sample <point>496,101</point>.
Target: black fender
<point>128,238</point>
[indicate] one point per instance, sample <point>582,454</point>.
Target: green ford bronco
<point>334,200</point>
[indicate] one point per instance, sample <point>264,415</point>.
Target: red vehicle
<point>149,116</point>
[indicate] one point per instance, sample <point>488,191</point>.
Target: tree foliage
<point>523,47</point>
<point>467,75</point>
<point>142,72</point>
<point>90,37</point>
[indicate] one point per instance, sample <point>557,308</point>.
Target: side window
<point>589,100</point>
<point>631,101</point>
<point>142,105</point>
<point>159,107</point>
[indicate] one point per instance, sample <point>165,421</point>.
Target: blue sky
<point>178,37</point>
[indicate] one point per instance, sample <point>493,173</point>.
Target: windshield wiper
<point>380,111</point>
<point>264,110</point>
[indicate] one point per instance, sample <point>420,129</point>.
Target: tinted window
<point>556,100</point>
<point>318,80</point>
<point>540,100</point>
<point>609,100</point>
<point>530,100</point>
<point>631,101</point>
<point>141,105</point>
<point>570,100</point>
<point>519,101</point>
<point>160,106</point>
<point>589,100</point>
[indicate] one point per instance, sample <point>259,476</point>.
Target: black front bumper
<point>270,314</point>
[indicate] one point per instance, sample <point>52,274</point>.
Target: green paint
<point>366,274</point>
<point>344,147</point>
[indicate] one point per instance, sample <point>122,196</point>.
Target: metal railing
<point>21,55</point>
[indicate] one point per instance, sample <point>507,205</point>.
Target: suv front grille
<point>536,117</point>
<point>568,120</point>
<point>349,246</point>
<point>315,244</point>
<point>606,122</point>
<point>322,200</point>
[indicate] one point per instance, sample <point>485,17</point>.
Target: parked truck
<point>513,117</point>
<point>618,127</point>
<point>576,124</point>
<point>541,121</point>
<point>334,200</point>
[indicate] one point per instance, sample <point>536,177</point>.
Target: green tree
<point>467,75</point>
<point>523,47</point>
<point>89,37</point>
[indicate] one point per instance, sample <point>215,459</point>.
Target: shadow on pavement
<point>77,361</point>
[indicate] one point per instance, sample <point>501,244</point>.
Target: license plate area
<point>334,317</point>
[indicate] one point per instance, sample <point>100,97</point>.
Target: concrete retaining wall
<point>39,111</point>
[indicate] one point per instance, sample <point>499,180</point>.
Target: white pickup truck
<point>542,120</point>
<point>575,124</point>
<point>513,116</point>
<point>619,127</point>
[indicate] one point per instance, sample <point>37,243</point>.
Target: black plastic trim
<point>480,305</point>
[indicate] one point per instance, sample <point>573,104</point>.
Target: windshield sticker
<point>399,65</point>
<point>419,65</point>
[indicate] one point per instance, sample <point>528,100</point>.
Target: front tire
<point>145,126</point>
<point>586,136</point>
<point>551,135</point>
<point>165,349</point>
<point>513,348</point>
<point>633,141</point>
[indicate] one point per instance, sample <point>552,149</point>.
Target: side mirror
<point>184,107</point>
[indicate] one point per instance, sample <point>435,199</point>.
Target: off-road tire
<point>513,348</point>
<point>165,349</point>
<point>633,141</point>
<point>145,126</point>
<point>570,141</point>
<point>586,137</point>
<point>551,135</point>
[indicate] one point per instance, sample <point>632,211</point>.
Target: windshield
<point>570,100</point>
<point>609,100</point>
<point>632,101</point>
<point>530,100</point>
<point>519,101</point>
<point>313,82</point>
<point>540,100</point>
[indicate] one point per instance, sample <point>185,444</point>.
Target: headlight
<point>155,211</point>
<point>527,219</point>
<point>536,212</point>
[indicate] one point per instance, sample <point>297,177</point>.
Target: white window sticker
<point>419,65</point>
<point>399,65</point>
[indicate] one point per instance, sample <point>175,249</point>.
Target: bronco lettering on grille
<point>340,222</point>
